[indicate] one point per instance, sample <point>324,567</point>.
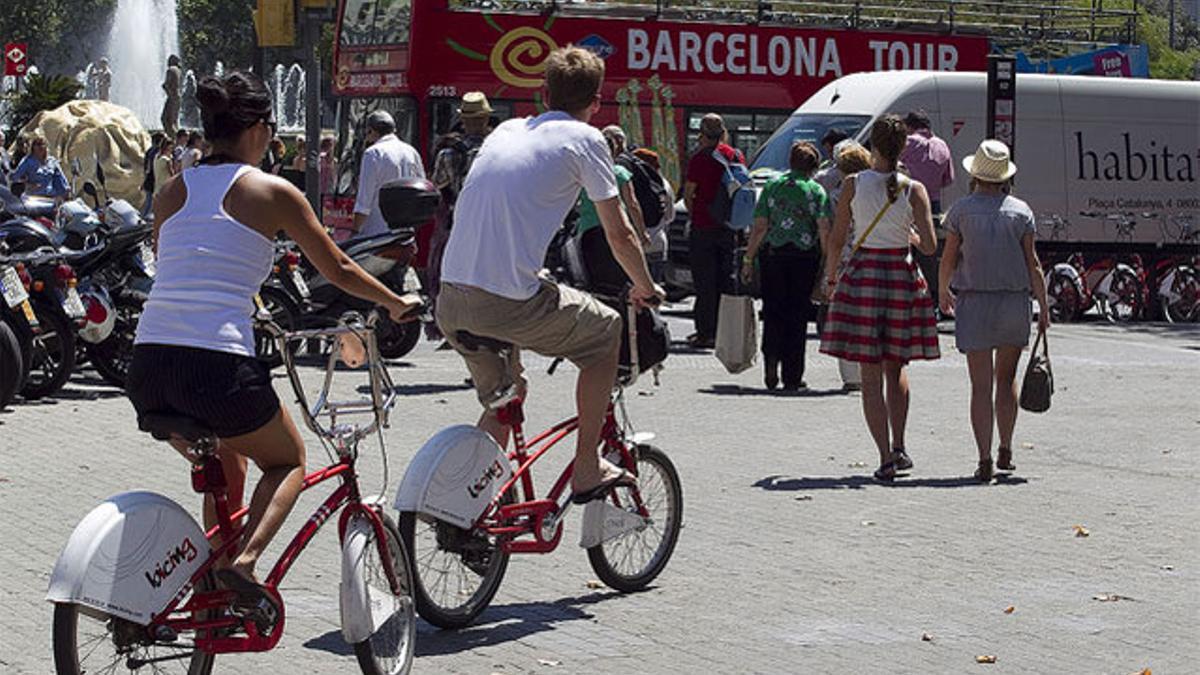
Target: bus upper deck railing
<point>1047,27</point>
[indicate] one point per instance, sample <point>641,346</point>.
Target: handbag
<point>1038,385</point>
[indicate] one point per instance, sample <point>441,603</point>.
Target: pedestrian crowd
<point>845,243</point>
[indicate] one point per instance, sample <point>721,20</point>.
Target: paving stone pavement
<point>791,559</point>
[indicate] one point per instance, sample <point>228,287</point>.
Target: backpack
<point>734,201</point>
<point>649,189</point>
<point>465,154</point>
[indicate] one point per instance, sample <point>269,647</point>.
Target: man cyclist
<point>524,180</point>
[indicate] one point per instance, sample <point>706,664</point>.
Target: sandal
<point>252,599</point>
<point>886,473</point>
<point>623,479</point>
<point>901,459</point>
<point>1004,460</point>
<point>983,473</point>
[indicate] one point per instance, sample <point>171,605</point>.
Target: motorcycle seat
<point>474,343</point>
<point>162,426</point>
<point>357,246</point>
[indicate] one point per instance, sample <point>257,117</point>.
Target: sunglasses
<point>272,125</point>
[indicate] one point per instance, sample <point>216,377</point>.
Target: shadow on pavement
<point>738,390</point>
<point>783,484</point>
<point>497,625</point>
<point>421,389</point>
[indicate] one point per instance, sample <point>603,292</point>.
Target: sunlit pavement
<point>792,559</point>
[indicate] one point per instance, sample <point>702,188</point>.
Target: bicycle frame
<point>543,517</point>
<point>208,478</point>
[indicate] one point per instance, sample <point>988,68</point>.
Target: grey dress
<point>991,281</point>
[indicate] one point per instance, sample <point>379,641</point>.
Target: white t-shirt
<point>522,184</point>
<point>387,160</point>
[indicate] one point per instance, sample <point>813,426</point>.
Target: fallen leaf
<point>1081,531</point>
<point>804,498</point>
<point>868,523</point>
<point>1167,568</point>
<point>441,401</point>
<point>645,393</point>
<point>593,584</point>
<point>1027,446</point>
<point>831,458</point>
<point>1144,671</point>
<point>926,637</point>
<point>985,658</point>
<point>548,662</point>
<point>1110,597</point>
<point>1010,609</point>
<point>1166,452</point>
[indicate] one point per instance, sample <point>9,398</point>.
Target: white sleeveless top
<point>209,268</point>
<point>870,194</point>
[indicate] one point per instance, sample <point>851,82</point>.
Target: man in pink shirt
<point>927,158</point>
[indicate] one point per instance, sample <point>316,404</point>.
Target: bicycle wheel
<point>1124,301</point>
<point>631,561</point>
<point>88,641</point>
<point>10,364</point>
<point>1186,307</point>
<point>389,651</point>
<point>457,571</point>
<point>1066,302</point>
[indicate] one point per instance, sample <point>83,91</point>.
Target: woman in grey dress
<point>988,271</point>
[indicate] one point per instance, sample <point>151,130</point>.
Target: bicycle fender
<point>454,476</point>
<point>364,607</point>
<point>1166,287</point>
<point>129,557</point>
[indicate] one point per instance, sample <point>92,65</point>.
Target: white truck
<point>1124,151</point>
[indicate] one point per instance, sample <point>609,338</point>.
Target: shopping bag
<point>737,333</point>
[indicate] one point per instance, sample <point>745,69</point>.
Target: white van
<point>1104,146</point>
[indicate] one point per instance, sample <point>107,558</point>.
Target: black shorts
<point>228,393</point>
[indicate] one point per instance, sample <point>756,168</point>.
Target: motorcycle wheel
<point>397,339</point>
<point>52,353</point>
<point>286,314</point>
<point>10,365</point>
<point>111,358</point>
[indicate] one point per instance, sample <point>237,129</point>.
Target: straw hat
<point>475,104</point>
<point>990,163</point>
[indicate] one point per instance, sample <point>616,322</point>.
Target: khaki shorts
<point>557,321</point>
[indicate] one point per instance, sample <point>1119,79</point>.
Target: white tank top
<point>870,194</point>
<point>209,268</point>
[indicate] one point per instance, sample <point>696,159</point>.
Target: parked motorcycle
<point>404,204</point>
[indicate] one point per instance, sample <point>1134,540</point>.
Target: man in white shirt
<point>524,180</point>
<point>386,159</point>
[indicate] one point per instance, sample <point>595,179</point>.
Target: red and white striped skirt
<point>881,310</point>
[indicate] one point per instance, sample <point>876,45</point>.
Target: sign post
<point>1002,100</point>
<point>16,59</point>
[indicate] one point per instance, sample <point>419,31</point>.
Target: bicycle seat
<point>474,342</point>
<point>164,425</point>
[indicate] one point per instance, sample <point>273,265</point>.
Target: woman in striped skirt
<point>881,314</point>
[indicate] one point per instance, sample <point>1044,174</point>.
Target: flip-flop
<point>623,479</point>
<point>252,597</point>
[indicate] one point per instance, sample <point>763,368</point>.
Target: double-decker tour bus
<point>664,70</point>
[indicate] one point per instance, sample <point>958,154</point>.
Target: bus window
<point>806,127</point>
<point>352,130</point>
<point>367,23</point>
<point>747,130</point>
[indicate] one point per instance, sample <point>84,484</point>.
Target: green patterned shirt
<point>792,204</point>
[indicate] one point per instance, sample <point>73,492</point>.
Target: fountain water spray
<point>144,34</point>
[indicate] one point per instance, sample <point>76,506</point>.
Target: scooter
<point>404,204</point>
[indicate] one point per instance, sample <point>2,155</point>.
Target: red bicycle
<point>134,587</point>
<point>465,505</point>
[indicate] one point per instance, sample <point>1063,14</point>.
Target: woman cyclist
<point>215,226</point>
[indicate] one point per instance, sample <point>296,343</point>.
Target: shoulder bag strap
<point>878,217</point>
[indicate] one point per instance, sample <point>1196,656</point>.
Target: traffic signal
<point>275,23</point>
